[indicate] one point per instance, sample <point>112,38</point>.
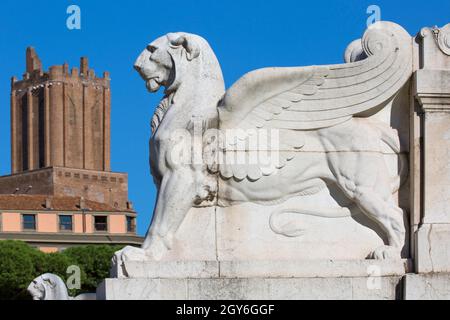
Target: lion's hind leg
<point>388,216</point>
<point>377,204</point>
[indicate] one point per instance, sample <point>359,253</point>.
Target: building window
<point>29,222</point>
<point>65,223</point>
<point>131,224</point>
<point>101,223</point>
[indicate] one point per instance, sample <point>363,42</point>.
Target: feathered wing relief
<point>250,153</point>
<point>287,101</point>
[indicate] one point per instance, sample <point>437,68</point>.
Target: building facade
<point>61,190</point>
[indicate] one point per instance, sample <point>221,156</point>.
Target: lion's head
<point>182,60</point>
<point>48,287</point>
<point>165,61</point>
<point>37,289</point>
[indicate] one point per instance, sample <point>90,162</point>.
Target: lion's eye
<point>151,48</point>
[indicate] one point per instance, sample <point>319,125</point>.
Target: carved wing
<point>306,98</point>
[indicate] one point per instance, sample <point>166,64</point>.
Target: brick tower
<point>60,118</point>
<point>60,135</point>
<point>60,152</point>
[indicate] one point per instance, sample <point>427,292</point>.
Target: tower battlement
<point>35,76</point>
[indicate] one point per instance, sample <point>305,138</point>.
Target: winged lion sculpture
<point>319,115</point>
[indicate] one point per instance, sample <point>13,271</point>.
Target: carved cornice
<point>432,90</point>
<point>434,102</point>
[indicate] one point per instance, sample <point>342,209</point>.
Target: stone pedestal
<point>426,286</point>
<point>258,280</point>
<point>353,288</point>
<point>233,254</point>
<point>431,90</point>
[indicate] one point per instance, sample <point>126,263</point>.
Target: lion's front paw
<point>385,252</point>
<point>128,253</point>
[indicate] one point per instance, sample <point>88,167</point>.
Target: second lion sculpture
<point>320,116</point>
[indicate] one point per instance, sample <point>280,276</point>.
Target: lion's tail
<point>290,230</point>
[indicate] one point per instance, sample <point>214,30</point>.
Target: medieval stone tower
<point>61,191</point>
<point>60,135</point>
<point>60,118</point>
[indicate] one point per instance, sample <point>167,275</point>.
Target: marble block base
<point>433,248</point>
<point>398,287</point>
<point>264,269</point>
<point>258,280</point>
<point>427,286</point>
<point>344,288</point>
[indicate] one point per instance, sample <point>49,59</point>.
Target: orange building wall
<point>89,223</point>
<point>48,249</point>
<point>117,224</point>
<point>77,223</point>
<point>47,222</point>
<point>11,222</point>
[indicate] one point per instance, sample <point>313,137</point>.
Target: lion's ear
<point>49,280</point>
<point>187,42</point>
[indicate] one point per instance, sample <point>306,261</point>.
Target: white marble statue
<point>318,121</point>
<point>51,287</point>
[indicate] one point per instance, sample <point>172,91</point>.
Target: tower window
<point>131,224</point>
<point>29,222</point>
<point>39,100</point>
<point>24,125</point>
<point>101,223</point>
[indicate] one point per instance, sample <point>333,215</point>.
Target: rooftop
<point>51,203</point>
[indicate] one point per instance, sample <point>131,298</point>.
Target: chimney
<point>66,68</point>
<point>84,66</point>
<point>33,61</point>
<point>48,203</point>
<point>82,203</point>
<point>129,205</point>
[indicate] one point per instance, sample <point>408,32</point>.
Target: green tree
<point>18,267</point>
<point>21,263</point>
<point>94,262</point>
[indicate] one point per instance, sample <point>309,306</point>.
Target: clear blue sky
<point>245,35</point>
